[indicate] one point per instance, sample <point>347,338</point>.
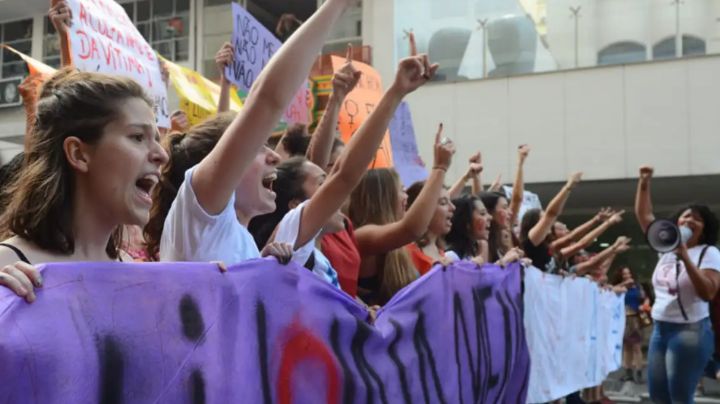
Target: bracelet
<point>444,169</point>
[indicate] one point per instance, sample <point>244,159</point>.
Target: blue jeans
<point>677,357</point>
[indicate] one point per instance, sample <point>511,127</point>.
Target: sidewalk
<point>629,392</point>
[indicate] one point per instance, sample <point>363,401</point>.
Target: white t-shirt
<point>666,307</point>
<point>191,234</point>
<point>287,232</point>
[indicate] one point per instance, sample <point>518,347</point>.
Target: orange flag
<point>30,87</point>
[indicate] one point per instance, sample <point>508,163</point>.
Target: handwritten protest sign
<point>261,333</point>
<point>359,104</point>
<point>254,47</point>
<point>300,106</point>
<point>103,39</point>
<point>199,96</point>
<point>405,155</point>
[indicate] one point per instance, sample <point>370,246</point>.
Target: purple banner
<point>406,158</point>
<point>261,333</point>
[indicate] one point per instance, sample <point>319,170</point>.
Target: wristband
<point>444,169</point>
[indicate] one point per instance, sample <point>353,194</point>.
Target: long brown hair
<point>373,202</point>
<point>71,103</point>
<point>184,150</point>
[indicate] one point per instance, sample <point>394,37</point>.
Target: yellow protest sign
<point>199,96</point>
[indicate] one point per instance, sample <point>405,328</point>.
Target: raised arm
<point>379,239</point>
<point>583,229</point>
<point>476,160</point>
<point>220,172</point>
<point>496,186</point>
<point>223,58</point>
<point>473,173</point>
<point>592,236</point>
<point>519,185</point>
<point>343,82</point>
<point>603,260</point>
<point>538,233</point>
<point>643,201</point>
<point>361,149</point>
<point>61,18</point>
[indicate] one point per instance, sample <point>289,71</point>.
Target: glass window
<point>623,52</point>
<point>164,24</point>
<point>162,8</point>
<point>51,44</point>
<point>182,5</point>
<point>691,46</point>
<point>18,35</point>
<point>143,10</point>
<point>17,30</point>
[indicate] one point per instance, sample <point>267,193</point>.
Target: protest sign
<point>572,319</point>
<point>254,47</point>
<point>103,39</point>
<point>260,333</point>
<point>405,154</point>
<point>358,105</point>
<point>199,96</point>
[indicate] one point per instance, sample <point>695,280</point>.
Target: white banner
<point>103,39</point>
<point>530,200</point>
<point>574,333</point>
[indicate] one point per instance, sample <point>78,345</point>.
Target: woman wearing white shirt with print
<point>684,281</point>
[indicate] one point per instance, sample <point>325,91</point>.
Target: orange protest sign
<point>359,104</point>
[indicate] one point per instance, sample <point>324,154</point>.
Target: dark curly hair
<point>712,225</point>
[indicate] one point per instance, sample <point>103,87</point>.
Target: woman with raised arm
<point>383,228</point>
<point>325,149</point>
<point>92,162</point>
<point>474,170</point>
<point>232,183</point>
<point>309,201</point>
<point>519,185</point>
<point>536,226</point>
<point>430,248</point>
<point>683,281</point>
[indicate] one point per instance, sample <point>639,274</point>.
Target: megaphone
<point>665,236</point>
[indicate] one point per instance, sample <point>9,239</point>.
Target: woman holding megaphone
<point>684,281</point>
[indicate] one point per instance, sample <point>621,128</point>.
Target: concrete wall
<point>605,121</point>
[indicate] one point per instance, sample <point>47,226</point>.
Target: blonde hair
<point>374,201</point>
